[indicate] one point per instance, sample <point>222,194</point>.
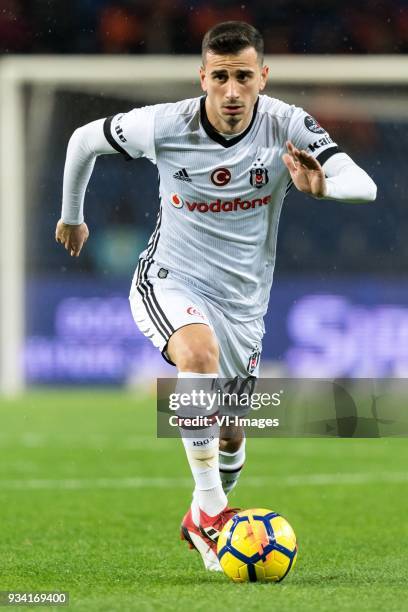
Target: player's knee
<point>195,357</point>
<point>231,445</point>
<point>194,348</point>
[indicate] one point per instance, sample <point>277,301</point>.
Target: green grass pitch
<point>91,501</point>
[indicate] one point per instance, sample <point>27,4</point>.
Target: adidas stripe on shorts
<point>161,305</point>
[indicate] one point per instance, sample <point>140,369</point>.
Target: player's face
<point>232,84</point>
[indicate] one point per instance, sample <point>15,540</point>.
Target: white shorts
<point>161,305</point>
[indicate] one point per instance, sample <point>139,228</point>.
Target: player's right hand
<point>73,237</point>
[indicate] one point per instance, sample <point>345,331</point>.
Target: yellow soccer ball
<point>257,545</point>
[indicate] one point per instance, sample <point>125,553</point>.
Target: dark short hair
<point>231,37</point>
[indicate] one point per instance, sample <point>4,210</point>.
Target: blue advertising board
<point>82,331</point>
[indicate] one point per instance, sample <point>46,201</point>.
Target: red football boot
<point>210,526</point>
<point>197,540</point>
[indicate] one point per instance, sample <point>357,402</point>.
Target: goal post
<point>169,77</point>
<point>12,229</point>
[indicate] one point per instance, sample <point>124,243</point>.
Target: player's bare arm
<point>73,237</point>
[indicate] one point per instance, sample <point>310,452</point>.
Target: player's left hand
<point>306,172</point>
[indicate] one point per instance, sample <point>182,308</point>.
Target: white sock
<point>231,465</point>
<point>195,508</point>
<point>202,455</point>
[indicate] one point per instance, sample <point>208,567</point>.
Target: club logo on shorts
<point>258,175</point>
<point>253,360</point>
<point>221,177</point>
<point>313,126</point>
<point>192,310</point>
<point>176,200</point>
<point>162,273</point>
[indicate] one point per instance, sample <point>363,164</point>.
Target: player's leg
<point>231,457</point>
<point>176,322</point>
<point>240,348</point>
<point>194,350</point>
<point>169,314</point>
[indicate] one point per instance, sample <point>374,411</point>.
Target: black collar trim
<point>214,135</point>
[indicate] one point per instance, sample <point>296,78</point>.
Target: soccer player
<point>201,287</point>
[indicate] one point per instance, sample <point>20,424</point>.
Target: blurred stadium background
<point>339,304</point>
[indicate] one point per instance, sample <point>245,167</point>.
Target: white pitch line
<point>308,480</point>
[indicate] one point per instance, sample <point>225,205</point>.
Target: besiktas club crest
<point>253,360</point>
<point>258,175</point>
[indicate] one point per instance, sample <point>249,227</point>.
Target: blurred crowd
<point>177,26</point>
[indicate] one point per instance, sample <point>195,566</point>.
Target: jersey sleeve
<point>306,133</point>
<point>132,133</point>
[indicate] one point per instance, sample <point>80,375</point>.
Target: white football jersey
<point>221,198</point>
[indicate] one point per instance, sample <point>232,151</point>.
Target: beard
<point>232,121</point>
